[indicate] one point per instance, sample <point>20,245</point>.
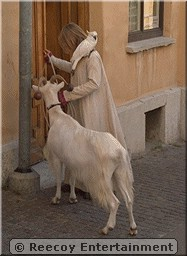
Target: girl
<point>91,102</point>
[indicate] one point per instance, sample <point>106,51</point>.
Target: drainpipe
<point>25,181</point>
<point>25,62</point>
<point>186,51</point>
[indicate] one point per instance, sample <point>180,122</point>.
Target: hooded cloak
<point>91,102</point>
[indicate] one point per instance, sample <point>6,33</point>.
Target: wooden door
<point>48,20</point>
<point>58,14</point>
<point>38,70</point>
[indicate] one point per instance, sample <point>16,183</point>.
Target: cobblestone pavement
<point>159,207</point>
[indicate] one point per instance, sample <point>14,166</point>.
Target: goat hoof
<point>103,231</point>
<point>55,200</point>
<point>133,231</point>
<point>110,228</point>
<point>73,200</point>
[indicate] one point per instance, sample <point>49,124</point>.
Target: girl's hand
<point>47,53</point>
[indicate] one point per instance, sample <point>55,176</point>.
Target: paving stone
<point>159,206</point>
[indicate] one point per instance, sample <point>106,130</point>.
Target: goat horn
<point>34,80</point>
<point>55,77</point>
<point>42,81</point>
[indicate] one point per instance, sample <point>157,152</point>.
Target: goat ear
<point>34,87</point>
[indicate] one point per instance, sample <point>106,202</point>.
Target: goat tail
<point>101,190</point>
<point>123,179</point>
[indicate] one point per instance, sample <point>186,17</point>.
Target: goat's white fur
<point>95,158</point>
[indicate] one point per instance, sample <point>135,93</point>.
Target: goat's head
<point>45,87</point>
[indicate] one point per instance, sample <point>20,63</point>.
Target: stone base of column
<point>26,184</point>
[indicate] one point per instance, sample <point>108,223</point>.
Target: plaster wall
<point>10,71</point>
<point>149,78</point>
<point>181,51</point>
<point>132,76</point>
<point>10,87</point>
<point>165,126</point>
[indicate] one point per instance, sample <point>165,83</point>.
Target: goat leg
<point>72,197</point>
<point>56,167</point>
<point>113,204</point>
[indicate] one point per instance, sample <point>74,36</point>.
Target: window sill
<point>144,45</point>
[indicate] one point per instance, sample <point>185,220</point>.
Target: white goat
<point>95,158</point>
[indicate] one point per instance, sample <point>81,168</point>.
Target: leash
<point>51,106</point>
<point>44,112</point>
<point>54,70</point>
<point>51,64</point>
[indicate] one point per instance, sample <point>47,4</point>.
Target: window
<point>145,20</point>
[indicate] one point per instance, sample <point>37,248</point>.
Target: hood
<point>84,48</point>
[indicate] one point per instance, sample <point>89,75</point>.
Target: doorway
<point>48,20</point>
